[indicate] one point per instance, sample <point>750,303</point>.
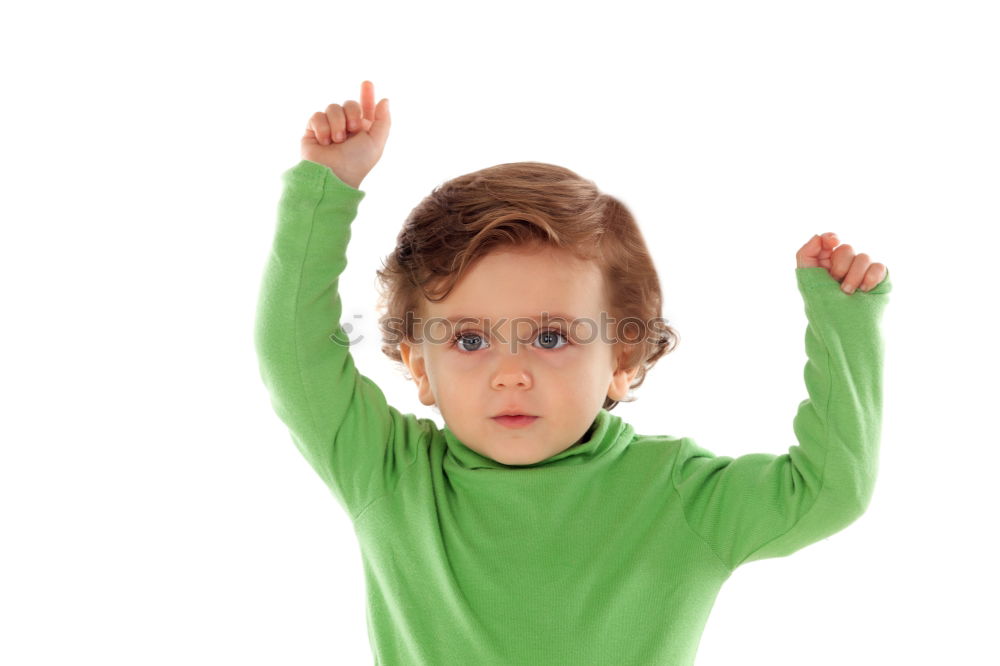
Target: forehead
<point>525,281</point>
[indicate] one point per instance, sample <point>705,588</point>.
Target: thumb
<point>380,126</point>
<point>809,254</point>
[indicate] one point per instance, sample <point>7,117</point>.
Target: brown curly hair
<point>519,204</point>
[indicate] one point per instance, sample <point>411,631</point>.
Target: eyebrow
<point>551,316</point>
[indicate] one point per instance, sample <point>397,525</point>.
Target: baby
<point>536,527</point>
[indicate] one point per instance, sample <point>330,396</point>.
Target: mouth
<point>515,421</point>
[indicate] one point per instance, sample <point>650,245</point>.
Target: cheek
<point>597,366</point>
<point>566,360</point>
<point>453,363</point>
<point>584,363</point>
<point>451,372</point>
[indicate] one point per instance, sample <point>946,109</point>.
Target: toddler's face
<point>507,356</point>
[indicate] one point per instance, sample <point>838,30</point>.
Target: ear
<point>620,382</point>
<point>413,358</point>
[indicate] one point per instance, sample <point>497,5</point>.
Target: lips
<point>515,421</point>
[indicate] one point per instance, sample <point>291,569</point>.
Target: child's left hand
<point>851,270</point>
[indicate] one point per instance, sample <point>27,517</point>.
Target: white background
<point>154,508</point>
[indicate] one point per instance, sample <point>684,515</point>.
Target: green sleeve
<point>338,418</point>
<point>763,505</point>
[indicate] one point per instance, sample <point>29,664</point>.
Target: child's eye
<point>551,336</point>
<point>475,339</point>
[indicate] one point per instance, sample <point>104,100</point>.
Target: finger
<point>811,246</point>
<point>310,134</point>
<point>379,130</point>
<point>368,100</point>
<point>807,254</point>
<point>816,251</point>
<point>874,276</point>
<point>840,261</point>
<point>335,116</point>
<point>320,125</point>
<point>856,273</point>
<point>352,110</point>
<point>828,241</point>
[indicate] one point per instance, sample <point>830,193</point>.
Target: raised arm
<point>762,505</point>
<point>338,418</point>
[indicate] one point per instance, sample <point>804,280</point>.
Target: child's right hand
<point>349,139</point>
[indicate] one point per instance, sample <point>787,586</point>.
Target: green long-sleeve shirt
<point>610,552</point>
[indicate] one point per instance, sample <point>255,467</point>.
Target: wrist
<point>355,183</point>
<point>348,179</point>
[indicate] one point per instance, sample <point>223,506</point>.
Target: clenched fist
<point>348,138</point>
<point>851,270</point>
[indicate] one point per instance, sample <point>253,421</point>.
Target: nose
<point>511,372</point>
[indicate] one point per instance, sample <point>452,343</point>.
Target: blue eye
<point>474,337</point>
<point>550,335</point>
